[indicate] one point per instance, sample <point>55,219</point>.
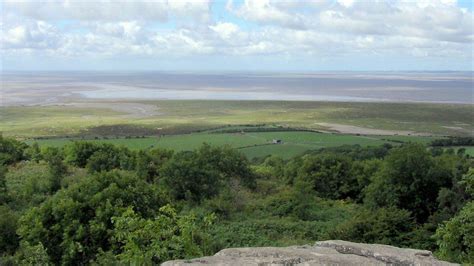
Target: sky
<point>244,35</point>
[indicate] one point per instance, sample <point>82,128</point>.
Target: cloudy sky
<point>244,35</point>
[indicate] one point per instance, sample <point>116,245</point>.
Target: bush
<point>330,176</point>
<point>410,178</point>
<point>8,237</point>
<point>27,185</point>
<point>57,168</point>
<point>168,236</point>
<point>185,177</point>
<point>264,232</point>
<point>230,163</point>
<point>200,174</point>
<point>149,163</point>
<point>75,223</point>
<point>390,226</point>
<point>99,157</point>
<point>455,238</point>
<point>11,151</point>
<point>78,152</point>
<point>454,141</point>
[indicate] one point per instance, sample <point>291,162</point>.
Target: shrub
<point>75,223</point>
<point>455,237</point>
<point>167,236</point>
<point>390,226</point>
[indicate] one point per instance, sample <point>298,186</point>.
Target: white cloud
<point>439,20</point>
<point>28,35</point>
<point>121,29</point>
<point>267,12</point>
<point>345,3</point>
<point>16,35</point>
<point>198,10</point>
<point>225,30</point>
<point>109,10</point>
<point>289,29</point>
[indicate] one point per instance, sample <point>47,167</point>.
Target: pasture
<point>185,125</point>
<point>252,144</point>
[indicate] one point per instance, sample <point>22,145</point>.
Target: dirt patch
<point>368,131</point>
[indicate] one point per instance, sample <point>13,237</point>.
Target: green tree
<point>3,185</point>
<point>75,223</point>
<point>468,182</point>
<point>200,174</point>
<point>78,152</point>
<point>455,237</point>
<point>228,162</point>
<point>149,163</point>
<point>108,157</point>
<point>27,184</point>
<point>330,175</point>
<point>187,178</point>
<point>453,194</point>
<point>291,170</point>
<point>145,167</point>
<point>363,171</point>
<point>31,255</point>
<point>271,167</point>
<point>100,161</point>
<point>11,151</point>
<point>410,179</point>
<point>301,197</point>
<point>167,236</point>
<point>8,225</point>
<point>33,153</point>
<point>56,167</point>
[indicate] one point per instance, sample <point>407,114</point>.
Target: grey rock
<point>332,252</point>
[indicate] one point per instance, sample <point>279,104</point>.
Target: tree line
<point>95,203</point>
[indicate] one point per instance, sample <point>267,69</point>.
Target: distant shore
<point>44,88</point>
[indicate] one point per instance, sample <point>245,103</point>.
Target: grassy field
<point>177,117</point>
<point>205,119</point>
<point>255,144</point>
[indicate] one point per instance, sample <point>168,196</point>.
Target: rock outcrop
<point>332,252</point>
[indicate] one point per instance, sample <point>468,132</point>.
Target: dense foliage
<point>456,236</point>
<point>11,151</point>
<point>454,141</point>
<point>90,203</point>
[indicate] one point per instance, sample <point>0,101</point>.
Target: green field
<point>256,144</point>
<point>177,117</point>
<point>185,125</point>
